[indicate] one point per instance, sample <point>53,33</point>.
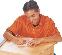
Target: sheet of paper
<point>27,40</point>
<point>2,40</point>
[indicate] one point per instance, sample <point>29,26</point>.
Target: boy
<point>34,25</point>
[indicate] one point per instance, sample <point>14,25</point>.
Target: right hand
<point>19,40</point>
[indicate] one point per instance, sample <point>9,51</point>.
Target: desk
<point>42,49</point>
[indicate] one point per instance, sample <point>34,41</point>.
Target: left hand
<point>35,42</point>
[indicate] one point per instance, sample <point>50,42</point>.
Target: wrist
<point>13,38</point>
<point>42,39</point>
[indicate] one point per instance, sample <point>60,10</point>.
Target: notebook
<point>2,40</point>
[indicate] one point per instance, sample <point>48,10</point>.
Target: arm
<point>13,30</point>
<point>8,36</point>
<point>14,39</point>
<point>37,41</point>
<point>52,33</point>
<point>10,31</point>
<point>52,39</point>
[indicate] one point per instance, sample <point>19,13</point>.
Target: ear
<point>39,10</point>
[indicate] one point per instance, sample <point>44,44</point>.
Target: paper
<point>27,40</point>
<point>2,40</point>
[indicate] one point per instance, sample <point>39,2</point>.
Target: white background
<point>11,9</point>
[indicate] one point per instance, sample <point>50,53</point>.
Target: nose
<point>32,19</point>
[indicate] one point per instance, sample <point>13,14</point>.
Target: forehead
<point>30,12</point>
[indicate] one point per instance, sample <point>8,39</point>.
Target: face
<point>33,16</point>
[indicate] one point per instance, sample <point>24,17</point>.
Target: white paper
<point>27,40</point>
<point>2,40</point>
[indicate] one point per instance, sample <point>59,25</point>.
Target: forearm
<point>8,36</point>
<point>52,39</point>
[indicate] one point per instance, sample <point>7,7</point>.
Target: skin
<point>34,18</point>
<point>37,41</point>
<point>14,39</point>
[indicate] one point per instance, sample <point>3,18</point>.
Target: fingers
<point>24,41</point>
<point>19,41</point>
<point>32,43</point>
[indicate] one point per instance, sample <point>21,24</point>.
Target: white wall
<point>11,9</point>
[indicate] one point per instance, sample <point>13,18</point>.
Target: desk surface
<point>24,50</point>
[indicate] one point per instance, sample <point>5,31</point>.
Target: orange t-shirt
<point>24,27</point>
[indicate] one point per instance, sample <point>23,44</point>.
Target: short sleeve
<point>16,26</point>
<point>50,28</point>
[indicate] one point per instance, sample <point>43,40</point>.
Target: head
<point>32,11</point>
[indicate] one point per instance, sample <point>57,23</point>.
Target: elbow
<point>4,35</point>
<point>59,39</point>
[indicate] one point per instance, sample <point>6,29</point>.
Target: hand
<point>19,40</point>
<point>35,42</point>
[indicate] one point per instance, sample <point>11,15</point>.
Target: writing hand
<point>19,40</point>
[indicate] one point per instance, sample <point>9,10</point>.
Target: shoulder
<point>46,18</point>
<point>50,21</point>
<point>20,18</point>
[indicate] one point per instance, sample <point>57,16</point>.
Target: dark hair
<point>30,5</point>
